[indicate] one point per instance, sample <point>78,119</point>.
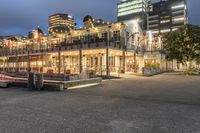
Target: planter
<point>151,71</point>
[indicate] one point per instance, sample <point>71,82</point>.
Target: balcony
<point>63,46</point>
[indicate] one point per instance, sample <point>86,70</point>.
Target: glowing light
<point>178,19</point>
<point>150,36</point>
<point>70,16</point>
<point>178,6</point>
<point>165,30</point>
<point>83,86</point>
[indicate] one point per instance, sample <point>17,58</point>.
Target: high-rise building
<point>59,23</point>
<point>167,15</point>
<point>133,9</point>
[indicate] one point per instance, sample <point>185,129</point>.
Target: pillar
<point>80,61</point>
<point>28,63</point>
<point>59,61</point>
<point>42,56</point>
<point>17,64</point>
<point>107,62</point>
<point>135,62</point>
<point>124,62</point>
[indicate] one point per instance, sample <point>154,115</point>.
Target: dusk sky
<point>17,17</point>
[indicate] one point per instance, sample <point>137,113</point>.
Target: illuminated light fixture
<point>137,20</point>
<point>70,16</point>
<point>174,29</point>
<point>166,30</point>
<point>178,19</point>
<point>84,86</point>
<point>150,35</point>
<point>159,40</point>
<point>156,31</point>
<point>178,6</point>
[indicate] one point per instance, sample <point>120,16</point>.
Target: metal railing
<point>62,46</point>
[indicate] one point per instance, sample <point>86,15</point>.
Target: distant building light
<point>166,30</point>
<point>70,16</point>
<point>174,29</point>
<point>178,6</point>
<point>154,32</point>
<point>178,19</point>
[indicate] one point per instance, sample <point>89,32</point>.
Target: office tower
<point>133,9</point>
<point>60,23</point>
<point>167,15</point>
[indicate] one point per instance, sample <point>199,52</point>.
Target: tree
<point>183,44</point>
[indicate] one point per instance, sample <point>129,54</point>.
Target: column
<point>28,63</point>
<point>124,62</point>
<point>59,61</point>
<point>42,57</point>
<point>107,62</point>
<point>80,61</point>
<point>17,64</point>
<point>135,62</point>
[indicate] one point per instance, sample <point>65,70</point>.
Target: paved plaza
<point>166,103</point>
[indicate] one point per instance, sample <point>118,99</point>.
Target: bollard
<point>39,81</point>
<point>31,80</point>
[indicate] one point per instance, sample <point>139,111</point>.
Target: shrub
<point>152,65</point>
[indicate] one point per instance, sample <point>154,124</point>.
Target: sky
<point>18,17</point>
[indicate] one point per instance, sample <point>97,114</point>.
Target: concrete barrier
<point>22,84</point>
<point>68,84</point>
<point>39,81</point>
<point>4,83</point>
<point>53,87</point>
<point>31,80</point>
<point>151,71</point>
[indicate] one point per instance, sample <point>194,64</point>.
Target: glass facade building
<point>60,23</point>
<point>167,15</point>
<point>133,9</point>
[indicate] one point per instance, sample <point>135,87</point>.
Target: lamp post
<point>107,53</point>
<point>80,56</point>
<point>59,57</point>
<point>28,59</point>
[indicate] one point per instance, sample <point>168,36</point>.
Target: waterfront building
<point>109,48</point>
<point>167,15</point>
<point>98,48</point>
<point>60,23</point>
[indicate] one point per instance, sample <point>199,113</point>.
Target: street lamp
<point>107,53</point>
<point>80,55</point>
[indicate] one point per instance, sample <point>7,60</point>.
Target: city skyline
<point>19,20</point>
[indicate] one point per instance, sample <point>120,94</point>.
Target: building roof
<point>86,18</point>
